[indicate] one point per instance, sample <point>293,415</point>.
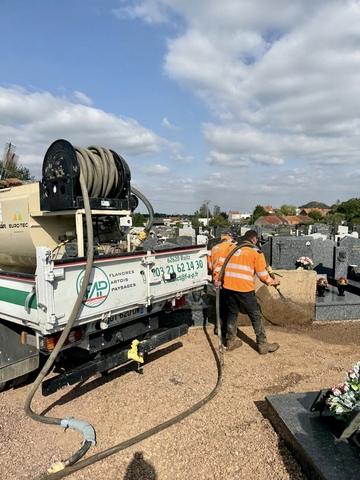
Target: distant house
<point>271,220</point>
<point>268,209</point>
<point>305,219</point>
<point>171,221</point>
<point>268,220</point>
<point>306,211</point>
<point>296,219</point>
<point>234,216</point>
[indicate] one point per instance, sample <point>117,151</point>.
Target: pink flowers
<point>346,396</point>
<point>336,391</point>
<point>322,281</point>
<point>304,263</point>
<point>342,281</point>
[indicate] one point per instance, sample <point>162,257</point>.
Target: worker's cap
<point>229,236</point>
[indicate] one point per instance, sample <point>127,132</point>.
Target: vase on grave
<point>342,427</point>
<point>341,290</point>
<point>320,290</point>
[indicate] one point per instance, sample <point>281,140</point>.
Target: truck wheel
<point>2,385</point>
<point>19,380</point>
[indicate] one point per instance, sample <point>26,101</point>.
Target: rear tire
<point>19,380</point>
<point>2,385</point>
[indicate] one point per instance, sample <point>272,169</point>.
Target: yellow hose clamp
<point>133,353</point>
<point>143,235</point>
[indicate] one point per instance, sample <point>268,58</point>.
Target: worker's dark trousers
<point>223,312</point>
<point>244,302</point>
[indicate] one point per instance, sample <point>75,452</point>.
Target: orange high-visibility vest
<point>240,271</point>
<point>217,256</point>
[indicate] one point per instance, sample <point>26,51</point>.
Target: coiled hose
<point>101,176</point>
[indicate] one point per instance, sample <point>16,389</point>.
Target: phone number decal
<point>183,270</point>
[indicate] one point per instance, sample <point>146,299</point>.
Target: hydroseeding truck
<point>73,281</point>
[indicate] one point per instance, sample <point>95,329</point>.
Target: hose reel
<point>106,174</point>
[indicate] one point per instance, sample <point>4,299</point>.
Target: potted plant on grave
<point>341,283</point>
<point>321,285</point>
<point>341,405</point>
<point>304,263</point>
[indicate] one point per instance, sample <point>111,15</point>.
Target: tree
<point>218,221</point>
<point>334,218</point>
<point>195,221</point>
<point>139,220</point>
<point>9,168</point>
<point>350,208</point>
<point>316,215</point>
<point>204,211</point>
<point>258,212</point>
<point>217,210</point>
<point>287,210</point>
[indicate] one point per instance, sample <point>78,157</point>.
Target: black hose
<point>218,326</point>
<point>148,206</point>
<point>143,436</point>
<point>79,454</point>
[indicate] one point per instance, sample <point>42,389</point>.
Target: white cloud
<point>165,122</point>
<point>154,169</point>
<point>32,121</point>
<point>83,98</point>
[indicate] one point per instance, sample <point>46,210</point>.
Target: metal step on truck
<point>69,261</point>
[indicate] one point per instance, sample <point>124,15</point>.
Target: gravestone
<point>322,228</point>
<point>202,239</point>
<point>183,241</point>
<point>286,250</point>
<point>213,241</point>
<point>283,230</point>
<point>187,232</point>
<point>352,245</point>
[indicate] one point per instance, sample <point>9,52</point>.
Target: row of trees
<point>340,212</point>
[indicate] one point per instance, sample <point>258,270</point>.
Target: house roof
<point>323,211</point>
<point>291,219</point>
<point>272,220</point>
<point>305,219</point>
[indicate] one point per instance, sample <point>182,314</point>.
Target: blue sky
<point>240,102</point>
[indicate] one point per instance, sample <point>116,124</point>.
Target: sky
<point>235,103</point>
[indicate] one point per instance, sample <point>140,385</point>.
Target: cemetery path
<point>228,438</point>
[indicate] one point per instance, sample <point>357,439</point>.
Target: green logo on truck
<point>98,288</point>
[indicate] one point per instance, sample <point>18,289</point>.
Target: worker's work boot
<point>233,343</point>
<point>264,348</point>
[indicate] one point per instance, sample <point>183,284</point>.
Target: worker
<point>238,290</point>
<point>219,252</point>
<point>215,260</point>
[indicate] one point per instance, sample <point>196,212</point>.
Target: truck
<point>71,235</point>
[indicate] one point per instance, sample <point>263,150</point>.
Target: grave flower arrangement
<point>341,283</point>
<point>304,263</point>
<point>321,285</point>
<point>344,398</point>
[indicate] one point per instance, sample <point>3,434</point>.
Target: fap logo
<point>98,288</point>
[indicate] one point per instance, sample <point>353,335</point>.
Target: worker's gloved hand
<point>217,284</point>
<point>270,271</point>
<point>276,284</point>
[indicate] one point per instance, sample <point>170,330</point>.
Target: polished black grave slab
<point>320,454</point>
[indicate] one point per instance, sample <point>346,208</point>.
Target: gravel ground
<point>229,437</point>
